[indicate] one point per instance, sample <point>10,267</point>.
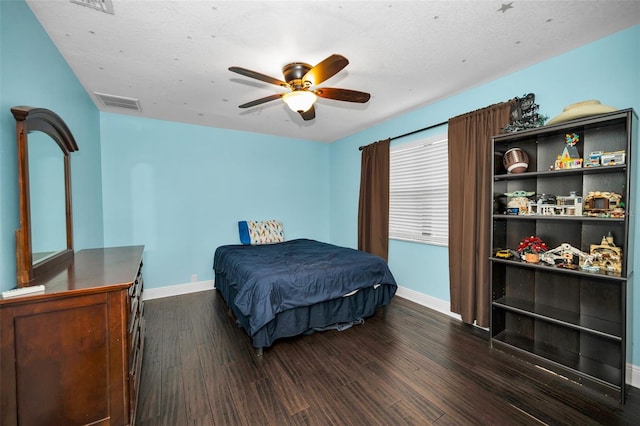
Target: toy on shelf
<point>505,253</point>
<point>518,202</point>
<point>599,158</point>
<point>557,205</point>
<point>543,205</point>
<point>524,114</point>
<point>566,254</point>
<point>603,204</point>
<point>531,248</point>
<point>594,159</point>
<point>515,160</point>
<point>570,205</point>
<point>606,255</point>
<point>615,158</point>
<point>570,157</point>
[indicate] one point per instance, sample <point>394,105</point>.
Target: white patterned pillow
<point>261,232</point>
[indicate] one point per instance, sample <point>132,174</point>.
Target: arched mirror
<point>45,237</point>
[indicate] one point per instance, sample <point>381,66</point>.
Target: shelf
<point>588,324</point>
<point>561,173</point>
<point>557,217</point>
<point>577,364</point>
<point>615,276</point>
<point>573,322</point>
<point>602,120</point>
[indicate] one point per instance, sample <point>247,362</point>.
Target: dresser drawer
<point>135,335</point>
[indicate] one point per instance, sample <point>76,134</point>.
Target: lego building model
<point>559,205</point>
<point>606,255</point>
<point>518,202</point>
<point>566,254</point>
<point>570,157</point>
<point>603,204</point>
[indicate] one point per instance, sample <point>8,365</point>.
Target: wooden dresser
<point>72,355</point>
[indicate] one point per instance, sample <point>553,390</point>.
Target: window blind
<point>419,191</point>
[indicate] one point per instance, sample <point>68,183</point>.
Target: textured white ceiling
<point>173,56</point>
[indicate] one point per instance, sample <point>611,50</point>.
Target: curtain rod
<point>414,132</point>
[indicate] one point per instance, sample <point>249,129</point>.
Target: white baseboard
<point>633,375</point>
<point>176,290</point>
<point>633,371</point>
<point>430,302</point>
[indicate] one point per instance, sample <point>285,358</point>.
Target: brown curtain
<point>373,207</point>
<point>470,202</point>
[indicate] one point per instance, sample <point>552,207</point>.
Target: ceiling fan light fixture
<point>300,77</point>
<point>299,100</point>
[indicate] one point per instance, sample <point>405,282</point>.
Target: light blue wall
<point>181,189</point>
<point>33,73</point>
<point>606,70</point>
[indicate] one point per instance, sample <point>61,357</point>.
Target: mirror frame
<point>29,119</point>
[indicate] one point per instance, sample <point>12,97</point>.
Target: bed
<point>290,288</point>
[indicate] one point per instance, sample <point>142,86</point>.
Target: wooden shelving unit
<point>576,323</point>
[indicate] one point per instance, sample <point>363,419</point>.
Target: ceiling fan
<point>302,78</point>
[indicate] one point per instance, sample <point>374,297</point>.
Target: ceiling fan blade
<point>310,114</point>
<point>259,76</point>
<point>342,94</point>
<point>325,69</point>
<point>262,100</point>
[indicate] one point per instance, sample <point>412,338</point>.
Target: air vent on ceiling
<point>101,5</point>
<point>118,101</point>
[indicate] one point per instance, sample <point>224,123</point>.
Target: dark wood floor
<point>405,365</point>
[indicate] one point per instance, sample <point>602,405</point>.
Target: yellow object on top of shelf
<point>581,109</point>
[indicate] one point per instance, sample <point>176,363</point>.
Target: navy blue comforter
<point>276,277</point>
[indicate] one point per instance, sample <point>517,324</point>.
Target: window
<point>419,191</point>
